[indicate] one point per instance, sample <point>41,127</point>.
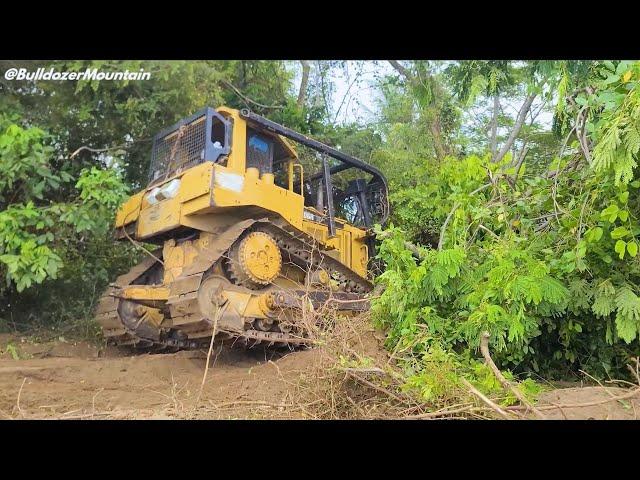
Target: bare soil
<point>628,409</point>
<point>66,380</point>
<point>77,380</point>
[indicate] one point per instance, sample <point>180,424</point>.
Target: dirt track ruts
<point>66,380</point>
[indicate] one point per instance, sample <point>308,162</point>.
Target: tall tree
<point>430,95</point>
<point>304,83</point>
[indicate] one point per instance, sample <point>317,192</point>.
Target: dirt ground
<point>67,380</point>
<point>76,380</point>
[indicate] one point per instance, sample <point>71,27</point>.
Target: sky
<point>355,96</point>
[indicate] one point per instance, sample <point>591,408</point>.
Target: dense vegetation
<point>502,222</point>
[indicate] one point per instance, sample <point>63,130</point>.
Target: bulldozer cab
<point>208,136</point>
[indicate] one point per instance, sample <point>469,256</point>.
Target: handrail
<point>347,160</point>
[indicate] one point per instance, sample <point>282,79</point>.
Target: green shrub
<point>547,263</point>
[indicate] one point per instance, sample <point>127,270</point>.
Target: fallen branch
<point>251,402</point>
<point>375,370</point>
<point>630,394</point>
<point>438,413</point>
<point>86,415</point>
<point>602,386</point>
<point>66,414</point>
<point>488,402</point>
<point>140,247</point>
<point>493,234</point>
<point>375,387</point>
<point>361,412</point>
<point>337,300</point>
<point>96,150</point>
<point>564,415</point>
<point>484,348</point>
<point>106,149</point>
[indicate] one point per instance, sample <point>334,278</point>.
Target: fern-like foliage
<point>617,136</point>
<point>627,314</point>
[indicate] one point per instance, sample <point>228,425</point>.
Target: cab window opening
<point>259,152</point>
<point>218,133</point>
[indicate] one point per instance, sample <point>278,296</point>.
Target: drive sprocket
<point>254,261</point>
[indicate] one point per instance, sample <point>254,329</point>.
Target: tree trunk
<point>436,133</point>
<point>520,161</point>
<point>402,70</point>
<point>522,115</point>
<point>243,75</point>
<point>493,141</point>
<point>432,113</point>
<point>304,83</point>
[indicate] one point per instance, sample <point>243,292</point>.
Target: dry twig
<point>624,396</point>
<point>439,413</point>
<point>219,311</point>
<point>486,400</point>
<point>18,400</point>
<point>484,348</point>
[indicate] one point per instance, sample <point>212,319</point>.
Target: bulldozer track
<point>183,309</point>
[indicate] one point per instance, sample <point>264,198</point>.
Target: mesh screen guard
<point>188,143</point>
<point>181,149</point>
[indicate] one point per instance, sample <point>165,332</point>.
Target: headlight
<point>169,190</point>
<point>151,196</point>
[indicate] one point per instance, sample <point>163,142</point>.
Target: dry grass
<point>354,377</point>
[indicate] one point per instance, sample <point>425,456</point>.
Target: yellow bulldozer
<point>245,238</point>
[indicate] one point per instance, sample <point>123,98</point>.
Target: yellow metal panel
<point>158,218</point>
<point>249,305</point>
<point>360,259</point>
<point>194,206</point>
<point>177,257</point>
<point>128,212</point>
<point>345,240</point>
<point>348,243</point>
<point>233,190</point>
<point>237,157</point>
<point>195,182</point>
<point>145,292</point>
